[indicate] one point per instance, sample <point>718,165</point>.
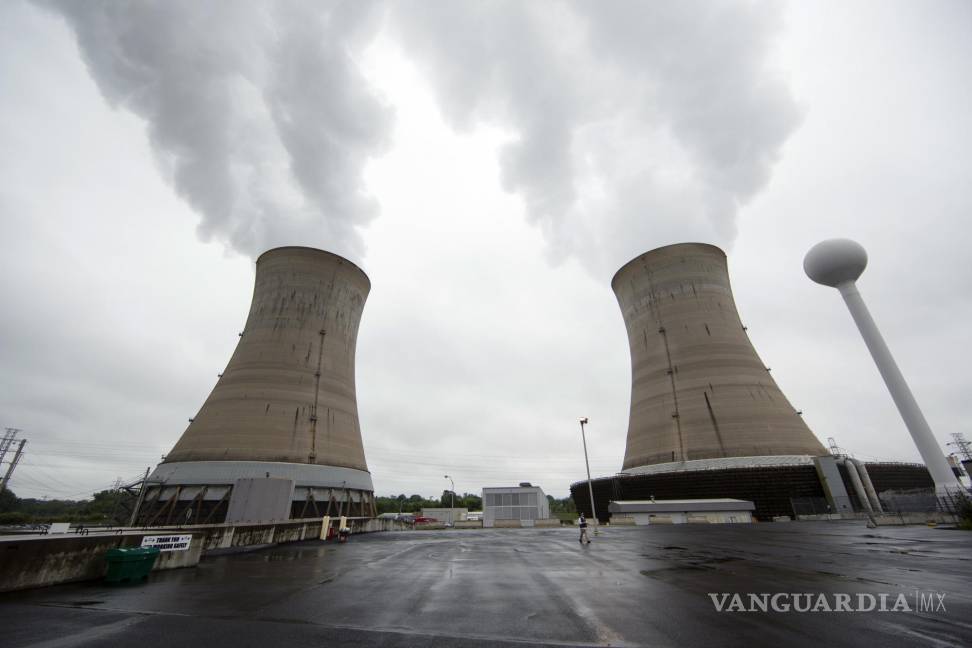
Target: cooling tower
<point>284,408</point>
<point>699,392</point>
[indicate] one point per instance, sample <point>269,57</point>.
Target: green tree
<point>964,511</point>
<point>564,508</point>
<point>447,498</point>
<point>108,507</point>
<point>470,501</point>
<point>8,501</point>
<point>14,517</point>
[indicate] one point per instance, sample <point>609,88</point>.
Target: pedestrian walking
<point>582,523</point>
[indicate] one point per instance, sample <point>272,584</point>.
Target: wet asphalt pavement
<point>632,587</point>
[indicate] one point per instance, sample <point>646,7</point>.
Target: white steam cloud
<point>638,123</point>
<point>256,110</point>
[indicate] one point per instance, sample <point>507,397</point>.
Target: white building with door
<point>713,511</point>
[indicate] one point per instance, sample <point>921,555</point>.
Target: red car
<point>424,520</point>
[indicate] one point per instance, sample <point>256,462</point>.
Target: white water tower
<point>838,263</point>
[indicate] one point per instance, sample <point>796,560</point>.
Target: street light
<point>590,489</point>
<point>452,497</point>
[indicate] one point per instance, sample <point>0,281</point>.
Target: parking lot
<point>636,586</point>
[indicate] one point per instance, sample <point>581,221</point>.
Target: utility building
<point>524,504</point>
<point>720,510</point>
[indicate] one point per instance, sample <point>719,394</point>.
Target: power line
<point>469,455</point>
<point>49,476</point>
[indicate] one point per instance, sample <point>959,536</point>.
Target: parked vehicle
<point>408,518</point>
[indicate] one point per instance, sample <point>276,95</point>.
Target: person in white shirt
<point>582,523</point>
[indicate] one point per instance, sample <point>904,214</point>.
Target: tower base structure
<point>786,485</point>
<point>207,492</point>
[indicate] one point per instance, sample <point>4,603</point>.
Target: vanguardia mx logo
<point>929,601</point>
<point>922,601</point>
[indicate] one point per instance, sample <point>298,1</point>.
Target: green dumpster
<point>130,565</point>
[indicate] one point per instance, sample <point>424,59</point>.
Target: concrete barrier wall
<point>372,525</point>
<point>49,560</point>
<point>887,519</point>
<point>253,534</point>
<point>622,521</point>
<point>497,524</point>
<point>54,559</point>
<point>899,519</point>
<point>516,524</point>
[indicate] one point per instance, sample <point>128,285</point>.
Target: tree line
<point>562,508</point>
<point>113,507</point>
<point>415,503</point>
<point>108,507</point>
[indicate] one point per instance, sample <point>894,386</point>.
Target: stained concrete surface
<point>641,586</point>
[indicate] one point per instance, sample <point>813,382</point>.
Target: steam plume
<point>256,111</point>
<point>637,123</point>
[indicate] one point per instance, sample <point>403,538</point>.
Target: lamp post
<point>452,498</point>
<point>590,489</point>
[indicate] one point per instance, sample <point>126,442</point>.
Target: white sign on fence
<point>168,543</point>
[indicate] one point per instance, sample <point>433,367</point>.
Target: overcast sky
<point>489,165</point>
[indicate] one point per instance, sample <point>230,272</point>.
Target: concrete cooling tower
<point>707,420</point>
<point>698,389</point>
<point>278,436</point>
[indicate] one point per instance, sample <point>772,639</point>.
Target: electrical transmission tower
<point>6,443</point>
<point>835,449</point>
<point>962,447</point>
